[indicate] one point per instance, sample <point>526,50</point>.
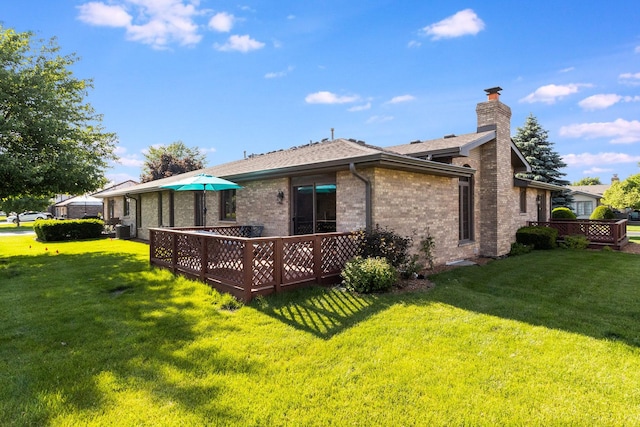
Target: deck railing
<point>600,233</point>
<point>246,267</point>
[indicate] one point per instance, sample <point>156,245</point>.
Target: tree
<point>532,141</point>
<point>588,181</point>
<point>18,205</point>
<point>625,194</point>
<point>174,159</point>
<point>51,140</point>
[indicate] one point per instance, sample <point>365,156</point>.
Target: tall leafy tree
<point>51,140</point>
<point>625,194</point>
<point>173,159</point>
<point>533,141</point>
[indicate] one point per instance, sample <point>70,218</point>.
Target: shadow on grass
<point>76,330</point>
<point>323,312</point>
<point>591,293</point>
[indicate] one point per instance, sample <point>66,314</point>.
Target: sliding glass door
<point>314,206</point>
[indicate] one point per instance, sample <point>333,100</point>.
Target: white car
<point>29,216</point>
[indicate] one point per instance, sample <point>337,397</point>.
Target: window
<point>465,197</point>
<point>228,205</point>
<point>127,206</point>
<point>584,208</point>
<point>523,200</point>
<point>111,208</point>
<point>314,204</point>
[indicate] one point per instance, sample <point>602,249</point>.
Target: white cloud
<point>567,70</point>
<point>463,23</point>
<point>325,97</point>
<point>278,74</point>
<point>242,44</point>
<point>130,161</point>
<point>156,23</point>
<point>414,44</point>
<point>596,170</point>
<point>605,100</point>
<point>589,159</point>
<point>364,107</point>
<point>549,94</point>
<point>379,119</point>
<point>222,22</point>
<point>400,99</point>
<point>632,79</point>
<point>621,131</point>
<point>100,14</point>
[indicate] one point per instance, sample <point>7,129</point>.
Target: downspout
<point>367,200</point>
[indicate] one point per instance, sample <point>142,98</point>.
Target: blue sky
<point>253,76</point>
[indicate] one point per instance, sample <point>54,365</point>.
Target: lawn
<point>91,335</point>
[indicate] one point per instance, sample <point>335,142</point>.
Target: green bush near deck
<point>562,213</point>
<point>367,275</point>
<point>538,237</point>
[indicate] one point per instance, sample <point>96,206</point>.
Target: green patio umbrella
<point>202,182</point>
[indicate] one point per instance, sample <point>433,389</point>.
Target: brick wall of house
<point>257,204</point>
<point>417,205</point>
<point>350,200</point>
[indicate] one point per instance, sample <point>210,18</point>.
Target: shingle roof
<point>334,154</point>
<point>447,144</point>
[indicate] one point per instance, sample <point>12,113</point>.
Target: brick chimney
<point>495,178</point>
<point>615,178</point>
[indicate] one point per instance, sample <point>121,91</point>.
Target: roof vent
<point>451,135</point>
<point>417,141</point>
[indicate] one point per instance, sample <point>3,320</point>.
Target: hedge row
<point>58,230</point>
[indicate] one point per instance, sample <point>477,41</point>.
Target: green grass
<point>91,335</point>
<point>633,227</point>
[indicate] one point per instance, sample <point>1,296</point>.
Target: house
<point>78,207</point>
<point>461,190</point>
<point>588,197</point>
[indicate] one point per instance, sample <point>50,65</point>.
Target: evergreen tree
<point>532,140</point>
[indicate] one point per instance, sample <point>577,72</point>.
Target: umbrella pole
<point>204,206</point>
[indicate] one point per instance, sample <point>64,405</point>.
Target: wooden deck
<point>245,266</point>
<point>600,233</point>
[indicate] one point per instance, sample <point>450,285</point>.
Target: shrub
<point>562,213</point>
<point>54,230</point>
<point>602,212</point>
<point>427,245</point>
<point>538,237</point>
<point>383,242</point>
<point>577,241</point>
<point>519,249</point>
<point>366,275</point>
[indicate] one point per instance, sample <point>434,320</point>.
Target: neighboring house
<point>461,190</point>
<point>78,207</point>
<point>586,198</point>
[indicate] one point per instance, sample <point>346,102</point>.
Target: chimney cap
<point>493,90</point>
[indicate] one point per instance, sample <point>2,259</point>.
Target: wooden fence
<point>246,267</point>
<point>600,233</point>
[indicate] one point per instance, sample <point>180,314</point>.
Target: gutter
<point>367,183</point>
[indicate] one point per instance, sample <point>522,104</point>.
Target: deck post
<point>174,252</point>
<point>278,248</point>
<point>317,257</point>
<point>204,258</point>
<point>247,269</point>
